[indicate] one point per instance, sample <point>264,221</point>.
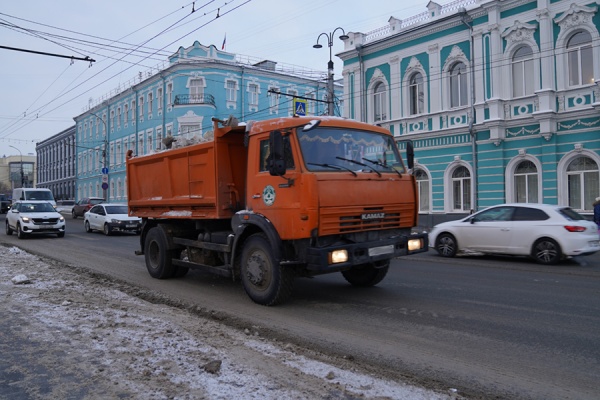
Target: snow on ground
<point>67,333</point>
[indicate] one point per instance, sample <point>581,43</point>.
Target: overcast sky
<point>41,94</point>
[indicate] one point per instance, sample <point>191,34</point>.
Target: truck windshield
<point>334,149</point>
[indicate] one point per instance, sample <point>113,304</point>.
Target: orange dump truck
<point>266,202</point>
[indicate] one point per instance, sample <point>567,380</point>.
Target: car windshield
<point>570,214</point>
<point>36,207</point>
<point>96,201</point>
<point>334,149</point>
<point>116,210</point>
<point>39,195</point>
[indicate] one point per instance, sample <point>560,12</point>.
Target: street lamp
<point>22,175</point>
<point>329,37</point>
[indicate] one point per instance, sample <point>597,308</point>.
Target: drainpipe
<point>468,21</point>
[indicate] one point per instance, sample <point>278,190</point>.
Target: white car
<point>547,233</point>
<point>28,217</point>
<point>110,218</point>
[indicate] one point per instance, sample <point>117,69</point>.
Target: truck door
<point>276,197</point>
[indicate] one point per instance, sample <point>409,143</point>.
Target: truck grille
<point>355,219</point>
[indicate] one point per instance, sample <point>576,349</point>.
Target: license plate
<point>377,251</point>
<point>594,243</point>
<point>131,226</point>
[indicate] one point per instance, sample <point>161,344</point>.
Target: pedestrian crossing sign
<point>300,107</point>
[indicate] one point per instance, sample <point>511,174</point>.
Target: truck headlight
<point>338,256</point>
<point>415,244</point>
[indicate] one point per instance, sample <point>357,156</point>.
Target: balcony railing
<point>194,99</point>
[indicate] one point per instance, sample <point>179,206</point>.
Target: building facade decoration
<point>531,74</point>
<point>176,107</point>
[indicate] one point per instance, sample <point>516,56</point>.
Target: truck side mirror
<point>410,154</point>
<point>276,162</point>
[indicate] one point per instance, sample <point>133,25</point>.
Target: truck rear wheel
<point>158,256</point>
<point>265,281</point>
<point>367,275</point>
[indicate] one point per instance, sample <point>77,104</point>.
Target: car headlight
<point>61,219</point>
<point>25,219</point>
<point>115,221</point>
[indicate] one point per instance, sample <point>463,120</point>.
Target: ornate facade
<point>500,98</point>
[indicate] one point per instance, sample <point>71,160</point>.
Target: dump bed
<point>204,180</point>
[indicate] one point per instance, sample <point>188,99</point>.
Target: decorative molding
<point>578,147</point>
<point>519,32</point>
<point>522,152</point>
<point>413,65</point>
<point>576,16</point>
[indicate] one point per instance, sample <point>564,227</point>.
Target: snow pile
<point>76,333</point>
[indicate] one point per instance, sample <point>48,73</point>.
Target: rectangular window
<point>133,111</point>
<point>112,119</point>
<point>253,94</point>
<point>141,107</point>
<point>196,90</point>
<point>230,91</point>
<point>119,117</point>
<point>126,114</point>
<point>169,94</point>
<point>150,103</point>
<point>159,98</point>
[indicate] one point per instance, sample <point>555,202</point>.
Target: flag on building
<point>224,40</point>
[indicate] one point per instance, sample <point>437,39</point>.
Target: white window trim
<point>561,172</point>
<point>413,67</point>
<point>509,176</point>
<point>448,191</point>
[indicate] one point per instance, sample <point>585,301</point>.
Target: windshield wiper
<point>333,166</point>
<point>382,165</point>
<point>359,163</point>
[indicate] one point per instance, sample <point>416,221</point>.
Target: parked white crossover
<point>547,233</point>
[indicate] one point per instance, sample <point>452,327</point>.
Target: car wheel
<point>60,234</point>
<point>73,214</point>
<point>88,229</point>
<point>265,281</point>
<point>8,230</point>
<point>107,230</point>
<point>546,251</point>
<point>159,259</point>
<point>366,275</point>
<point>20,233</point>
<point>446,245</point>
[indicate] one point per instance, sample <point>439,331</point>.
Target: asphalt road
<point>489,326</point>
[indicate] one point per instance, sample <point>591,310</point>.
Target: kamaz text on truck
<point>269,201</point>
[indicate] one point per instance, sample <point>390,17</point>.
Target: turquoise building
<point>179,100</point>
<point>500,98</point>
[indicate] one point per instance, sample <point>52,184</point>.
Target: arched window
<point>526,182</point>
<point>581,62</point>
<point>379,103</point>
<point>416,94</point>
<point>458,85</point>
<point>523,78</point>
<point>423,188</point>
<point>582,183</point>
<point>461,189</point>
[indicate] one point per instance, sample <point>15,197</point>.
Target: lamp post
<point>329,37</point>
<point>104,158</point>
<point>21,164</point>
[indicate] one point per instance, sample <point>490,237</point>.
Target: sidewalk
<point>69,334</point>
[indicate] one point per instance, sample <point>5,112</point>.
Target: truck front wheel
<point>367,275</point>
<point>158,256</point>
<point>265,281</point>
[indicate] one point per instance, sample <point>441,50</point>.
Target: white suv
<point>34,216</point>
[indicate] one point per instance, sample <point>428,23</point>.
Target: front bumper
<point>365,253</point>
<point>125,226</point>
<point>33,228</point>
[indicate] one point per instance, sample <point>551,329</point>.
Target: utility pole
<point>330,91</point>
<point>104,159</point>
